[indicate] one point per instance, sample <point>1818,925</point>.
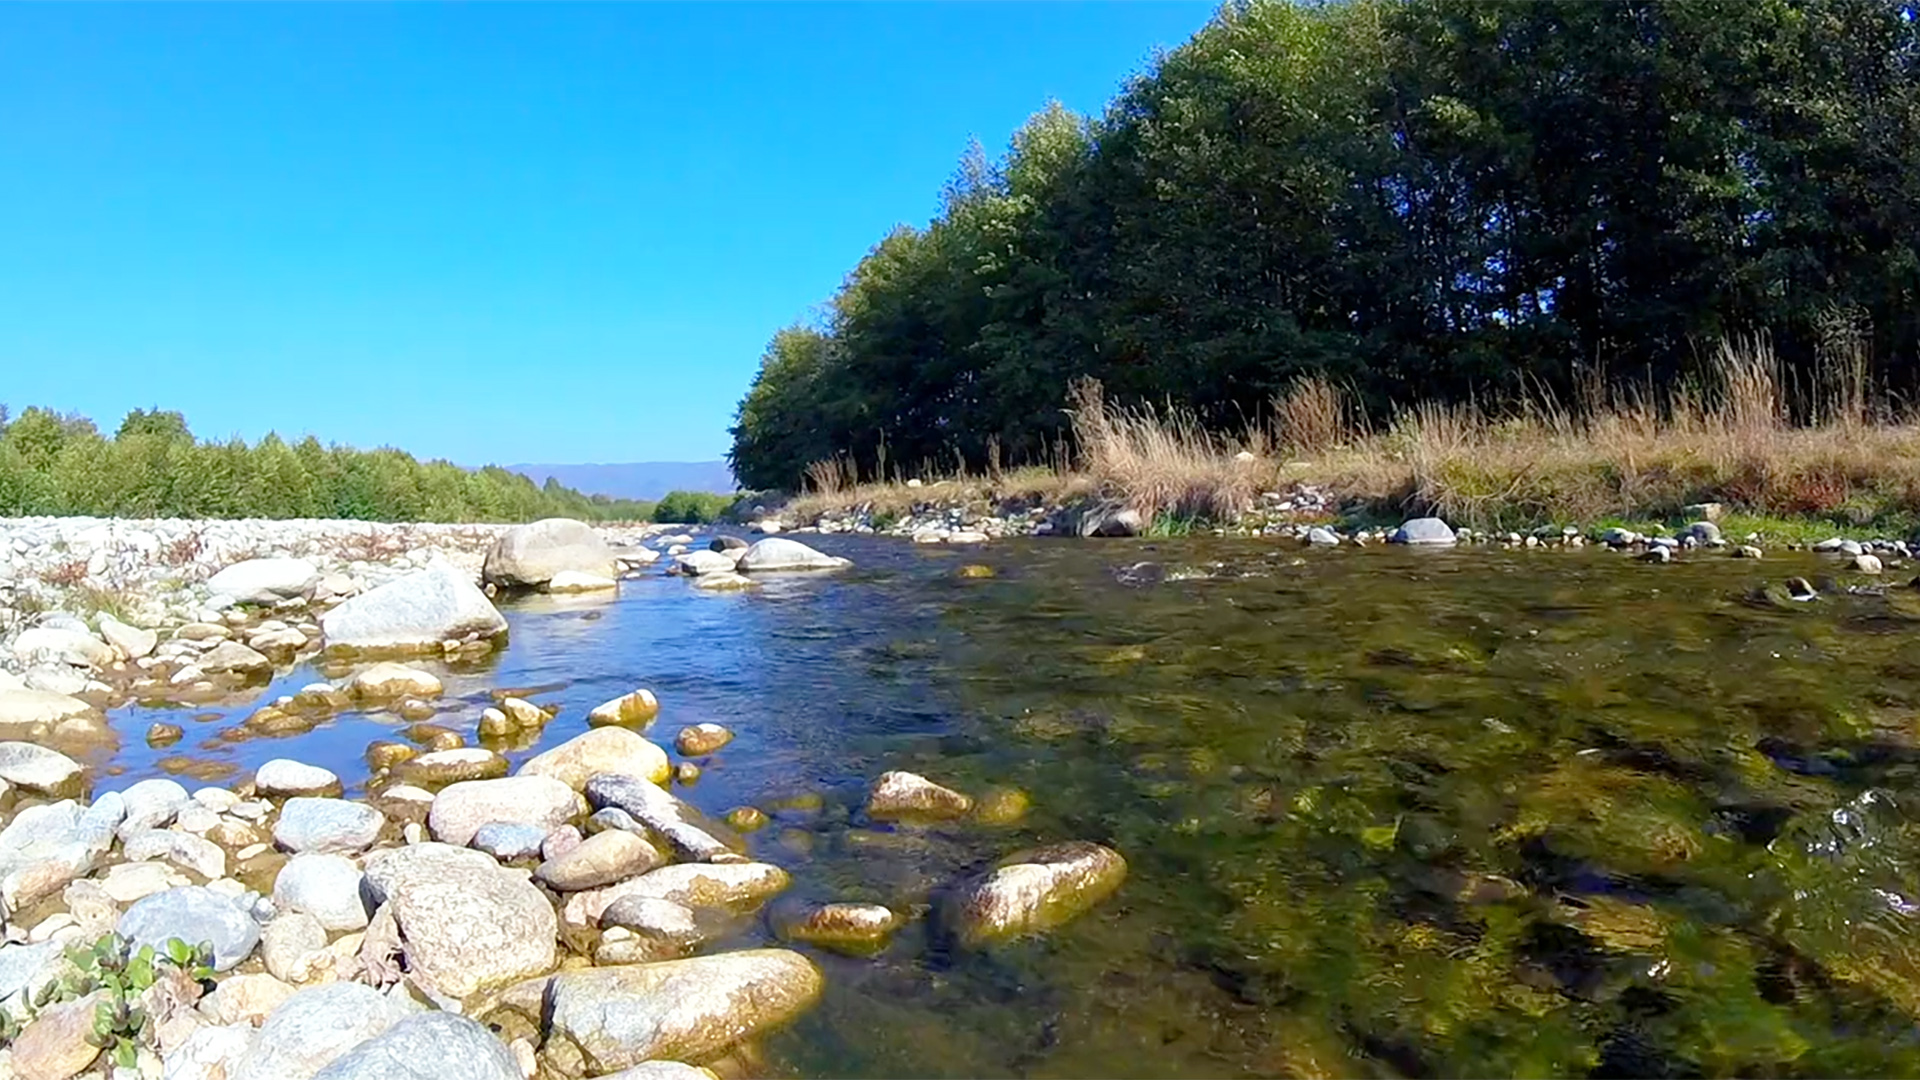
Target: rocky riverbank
<point>558,920</point>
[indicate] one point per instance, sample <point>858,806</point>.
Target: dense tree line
<point>152,466</point>
<point>1417,198</point>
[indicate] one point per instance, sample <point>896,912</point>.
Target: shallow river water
<point>1387,812</point>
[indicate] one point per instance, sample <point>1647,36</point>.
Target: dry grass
<point>1739,433</point>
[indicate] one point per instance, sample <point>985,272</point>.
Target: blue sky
<point>488,232</point>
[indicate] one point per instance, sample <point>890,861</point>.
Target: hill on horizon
<point>635,480</point>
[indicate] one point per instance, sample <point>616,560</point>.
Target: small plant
<point>137,983</point>
<point>67,574</point>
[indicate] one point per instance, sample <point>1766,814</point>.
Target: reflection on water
<point>1388,812</point>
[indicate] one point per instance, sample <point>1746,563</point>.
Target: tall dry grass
<point>1738,432</point>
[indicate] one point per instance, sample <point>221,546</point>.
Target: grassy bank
<point>1782,458</point>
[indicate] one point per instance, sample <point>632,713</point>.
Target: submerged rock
<point>699,740</point>
<point>858,929</point>
<point>1034,890</point>
<point>414,613</point>
<point>909,795</point>
<point>452,766</point>
<point>695,1009</point>
<point>574,581</point>
<point>387,680</point>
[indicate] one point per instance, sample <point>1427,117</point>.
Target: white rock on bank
<point>264,581</point>
<point>414,613</point>
<point>531,555</point>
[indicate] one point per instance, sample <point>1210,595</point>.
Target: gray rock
<point>209,1052</point>
<point>1112,519</point>
<point>288,944</point>
<point>281,777</point>
<point>326,887</point>
<point>779,553</point>
<point>664,930</point>
<point>151,804</point>
<point>53,644</point>
<point>727,543</point>
<point>601,859</point>
<point>1321,536</point>
<point>54,678</point>
<point>1033,891</point>
<point>193,914</point>
<point>45,847</point>
<point>327,825</point>
<point>185,850</point>
<point>1705,533</point>
<point>264,581</point>
<point>467,924</point>
<point>1851,547</point>
<point>693,1009</point>
<point>509,841</point>
<point>414,613</point>
<point>313,1028</point>
<point>38,769</point>
<point>1828,546</point>
<point>427,1046</point>
<point>24,969</point>
<point>689,833</point>
<point>698,563</point>
<point>731,887</point>
<point>462,808</point>
<point>1422,531</point>
<point>528,556</point>
<point>130,640</point>
<point>231,657</point>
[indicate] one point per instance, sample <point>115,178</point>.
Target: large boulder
<point>414,613</point>
<point>779,553</point>
<point>427,1046</point>
<point>696,563</point>
<point>685,1010</point>
<point>467,925</point>
<point>1426,531</point>
<point>460,810</point>
<point>264,581</point>
<point>530,556</point>
<point>61,645</point>
<point>313,1028</point>
<point>1034,890</point>
<point>194,914</point>
<point>38,769</point>
<point>601,751</point>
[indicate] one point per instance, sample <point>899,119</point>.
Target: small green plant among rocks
<point>140,987</point>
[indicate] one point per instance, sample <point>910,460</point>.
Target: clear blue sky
<point>491,232</point>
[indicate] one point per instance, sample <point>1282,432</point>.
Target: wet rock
<point>132,641</point>
<point>38,769</point>
<point>746,819</point>
<point>466,924</point>
<point>680,825</point>
<point>777,553</point>
<point>904,795</point>
<point>185,850</point>
<point>264,581</point>
<point>1867,564</point>
<point>327,825</point>
<point>1112,520</point>
<point>414,613</point>
<point>442,767</point>
<point>601,859</point>
<point>1001,806</point>
<point>1704,533</point>
<point>727,543</point>
<point>427,1046</point>
<point>540,801</point>
<point>1034,891</point>
<point>245,999</point>
<point>313,1028</point>
<point>282,777</point>
<point>524,713</point>
<point>385,754</point>
<point>1321,536</point>
<point>1659,555</point>
<point>704,563</point>
<point>699,740</point>
<point>679,1009</point>
<point>686,774</point>
<point>1422,531</point>
<point>415,709</point>
<point>54,1046</point>
<point>322,697</point>
<point>294,947</point>
<point>1801,589</point>
<point>611,751</point>
<point>724,582</point>
<point>194,914</point>
<point>1747,551</point>
<point>635,710</point>
<point>387,680</point>
<point>857,929</point>
<point>326,887</point>
<point>573,581</point>
<point>735,887</point>
<point>159,735</point>
<point>233,658</point>
<point>529,556</point>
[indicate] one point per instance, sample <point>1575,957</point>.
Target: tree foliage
<point>1419,198</point>
<point>154,467</point>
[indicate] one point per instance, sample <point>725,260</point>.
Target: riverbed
<point>1387,812</point>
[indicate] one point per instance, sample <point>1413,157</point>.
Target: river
<point>1387,812</point>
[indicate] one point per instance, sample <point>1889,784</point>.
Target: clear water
<point>1387,812</point>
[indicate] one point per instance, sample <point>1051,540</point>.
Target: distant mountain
<point>638,480</point>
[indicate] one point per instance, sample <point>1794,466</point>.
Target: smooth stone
<point>843,927</point>
<point>125,883</point>
<point>699,564</point>
<point>574,581</point>
<point>1321,536</point>
<point>414,613</point>
<point>442,767</point>
<point>661,929</point>
<point>132,641</point>
<point>38,769</point>
<point>159,734</point>
<point>387,680</point>
<point>1867,564</point>
<point>683,827</point>
<point>294,947</point>
<point>1035,890</point>
<point>193,914</point>
<point>560,841</point>
<point>151,804</point>
<point>183,849</point>
<point>679,1009</point>
<point>736,887</point>
<point>509,841</point>
<point>324,886</point>
<point>1422,531</point>
<point>59,645</point>
<point>54,1046</point>
<point>1701,532</point>
<point>313,1028</point>
<point>245,999</point>
<point>284,777</point>
<point>603,750</point>
<point>601,859</point>
<point>231,657</point>
<point>209,1053</point>
<point>427,1046</point>
<point>780,553</point>
<point>699,740</point>
<point>898,795</point>
<point>45,847</point>
<point>635,710</point>
<point>321,825</point>
<point>460,809</point>
<point>663,1070</point>
<point>264,581</point>
<point>466,924</point>
<point>528,556</point>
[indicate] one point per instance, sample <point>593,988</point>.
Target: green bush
<point>691,507</point>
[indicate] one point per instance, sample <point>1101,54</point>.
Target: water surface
<point>1387,812</point>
